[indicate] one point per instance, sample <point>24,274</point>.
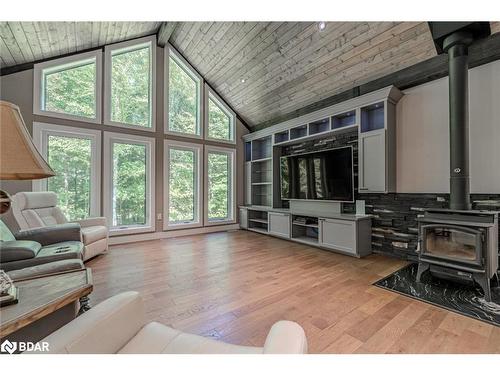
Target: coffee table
<point>39,297</point>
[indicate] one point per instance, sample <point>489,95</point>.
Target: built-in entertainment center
<point>300,173</point>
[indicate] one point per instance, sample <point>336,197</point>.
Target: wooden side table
<point>42,297</point>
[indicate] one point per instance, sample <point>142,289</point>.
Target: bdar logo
<point>23,346</point>
<point>8,347</point>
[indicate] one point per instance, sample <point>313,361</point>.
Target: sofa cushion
<point>156,338</point>
<point>18,250</point>
<point>94,233</point>
<point>51,235</point>
<point>60,251</point>
<point>47,269</point>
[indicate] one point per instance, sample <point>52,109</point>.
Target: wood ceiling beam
<point>165,31</point>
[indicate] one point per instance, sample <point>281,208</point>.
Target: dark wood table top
<point>38,297</point>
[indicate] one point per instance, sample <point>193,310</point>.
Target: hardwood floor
<point>233,286</point>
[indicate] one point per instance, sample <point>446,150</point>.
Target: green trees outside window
<point>182,186</point>
<point>219,186</point>
<point>71,90</point>
<point>129,184</point>
<point>71,160</point>
<point>131,81</point>
<point>183,99</point>
<point>219,122</point>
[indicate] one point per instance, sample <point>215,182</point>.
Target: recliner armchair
<point>39,246</point>
<point>39,209</point>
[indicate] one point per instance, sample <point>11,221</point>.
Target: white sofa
<point>39,209</point>
<point>117,325</point>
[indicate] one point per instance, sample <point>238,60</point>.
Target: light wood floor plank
<point>233,286</point>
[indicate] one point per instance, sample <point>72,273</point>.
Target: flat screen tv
<point>324,175</point>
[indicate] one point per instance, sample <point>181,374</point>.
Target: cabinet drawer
<point>243,218</point>
<point>338,234</point>
<point>279,224</point>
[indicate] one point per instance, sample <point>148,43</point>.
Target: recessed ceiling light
<point>321,25</point>
<point>243,80</point>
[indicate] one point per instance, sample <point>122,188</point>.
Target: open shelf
<point>261,160</point>
<point>307,239</point>
<point>281,137</point>
<point>343,119</point>
<point>262,195</point>
<point>258,230</point>
<point>262,172</point>
<point>257,221</point>
<point>305,229</point>
<point>263,221</point>
<point>298,132</point>
<point>372,117</point>
<point>319,126</point>
<point>261,148</point>
<point>306,225</point>
<point>248,151</point>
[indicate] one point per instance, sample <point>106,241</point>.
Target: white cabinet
<point>372,162</point>
<point>279,224</point>
<point>343,233</point>
<point>352,237</point>
<point>243,218</point>
<point>338,235</point>
<point>377,148</point>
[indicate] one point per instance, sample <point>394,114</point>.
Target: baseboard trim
<point>118,240</point>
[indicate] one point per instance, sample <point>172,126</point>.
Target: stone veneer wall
<point>394,226</point>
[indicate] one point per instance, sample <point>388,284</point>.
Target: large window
<point>182,187</point>
<point>183,92</point>
<point>73,154</point>
<point>130,83</point>
<point>219,185</point>
<point>129,182</point>
<point>69,88</point>
<point>220,119</point>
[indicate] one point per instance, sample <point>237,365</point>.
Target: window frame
<point>198,149</point>
<point>109,138</point>
<point>232,198</point>
<point>129,46</point>
<point>70,61</point>
<point>170,51</point>
<point>41,133</point>
<point>211,94</point>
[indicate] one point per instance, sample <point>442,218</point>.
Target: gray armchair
<point>39,246</point>
<point>39,209</point>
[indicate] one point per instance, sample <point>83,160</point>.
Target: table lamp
<point>19,158</point>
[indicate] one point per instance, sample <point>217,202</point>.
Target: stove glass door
<point>459,244</point>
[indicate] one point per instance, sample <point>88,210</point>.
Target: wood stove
<point>459,244</point>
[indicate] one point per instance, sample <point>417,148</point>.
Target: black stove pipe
<point>457,46</point>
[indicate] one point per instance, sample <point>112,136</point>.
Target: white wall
<point>423,139</point>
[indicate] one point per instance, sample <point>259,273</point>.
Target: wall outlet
<point>159,216</point>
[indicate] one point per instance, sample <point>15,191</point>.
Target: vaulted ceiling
<point>24,42</point>
<point>264,70</point>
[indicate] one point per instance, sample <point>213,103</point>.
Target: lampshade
<point>19,158</point>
